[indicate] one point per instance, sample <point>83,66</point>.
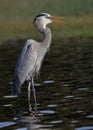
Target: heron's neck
<point>46,36</point>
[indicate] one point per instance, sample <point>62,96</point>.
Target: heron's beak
<point>57,19</point>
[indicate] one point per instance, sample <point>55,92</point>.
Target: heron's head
<point>41,20</point>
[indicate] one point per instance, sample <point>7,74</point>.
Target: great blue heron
<point>33,52</point>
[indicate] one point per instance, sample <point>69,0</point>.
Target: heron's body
<point>32,54</point>
<point>30,60</point>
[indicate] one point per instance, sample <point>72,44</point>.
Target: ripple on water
<point>89,116</point>
<point>48,81</point>
<point>6,124</point>
<point>56,122</point>
<point>78,98</point>
<point>11,83</point>
<point>52,105</point>
<point>74,121</point>
<point>83,89</point>
<point>21,129</point>
<point>85,128</point>
<point>79,111</point>
<point>35,127</point>
<point>8,105</point>
<point>47,112</point>
<point>66,85</point>
<point>69,96</point>
<point>11,96</point>
<point>38,85</point>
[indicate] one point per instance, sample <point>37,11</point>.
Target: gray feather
<point>25,65</point>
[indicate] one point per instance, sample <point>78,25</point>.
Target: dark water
<point>64,90</point>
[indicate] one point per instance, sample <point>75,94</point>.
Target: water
<point>64,91</point>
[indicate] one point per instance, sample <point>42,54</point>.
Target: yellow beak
<point>57,19</point>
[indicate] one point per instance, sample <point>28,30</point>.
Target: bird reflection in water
<point>30,121</point>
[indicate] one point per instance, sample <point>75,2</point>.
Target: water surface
<point>64,90</point>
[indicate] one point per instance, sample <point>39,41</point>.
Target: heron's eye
<point>38,19</point>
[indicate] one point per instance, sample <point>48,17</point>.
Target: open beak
<point>57,19</point>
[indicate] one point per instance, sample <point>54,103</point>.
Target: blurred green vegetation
<point>27,9</point>
<point>16,18</point>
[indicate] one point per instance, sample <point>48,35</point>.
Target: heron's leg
<point>29,95</point>
<point>34,94</point>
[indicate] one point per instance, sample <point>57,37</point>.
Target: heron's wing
<point>26,61</point>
